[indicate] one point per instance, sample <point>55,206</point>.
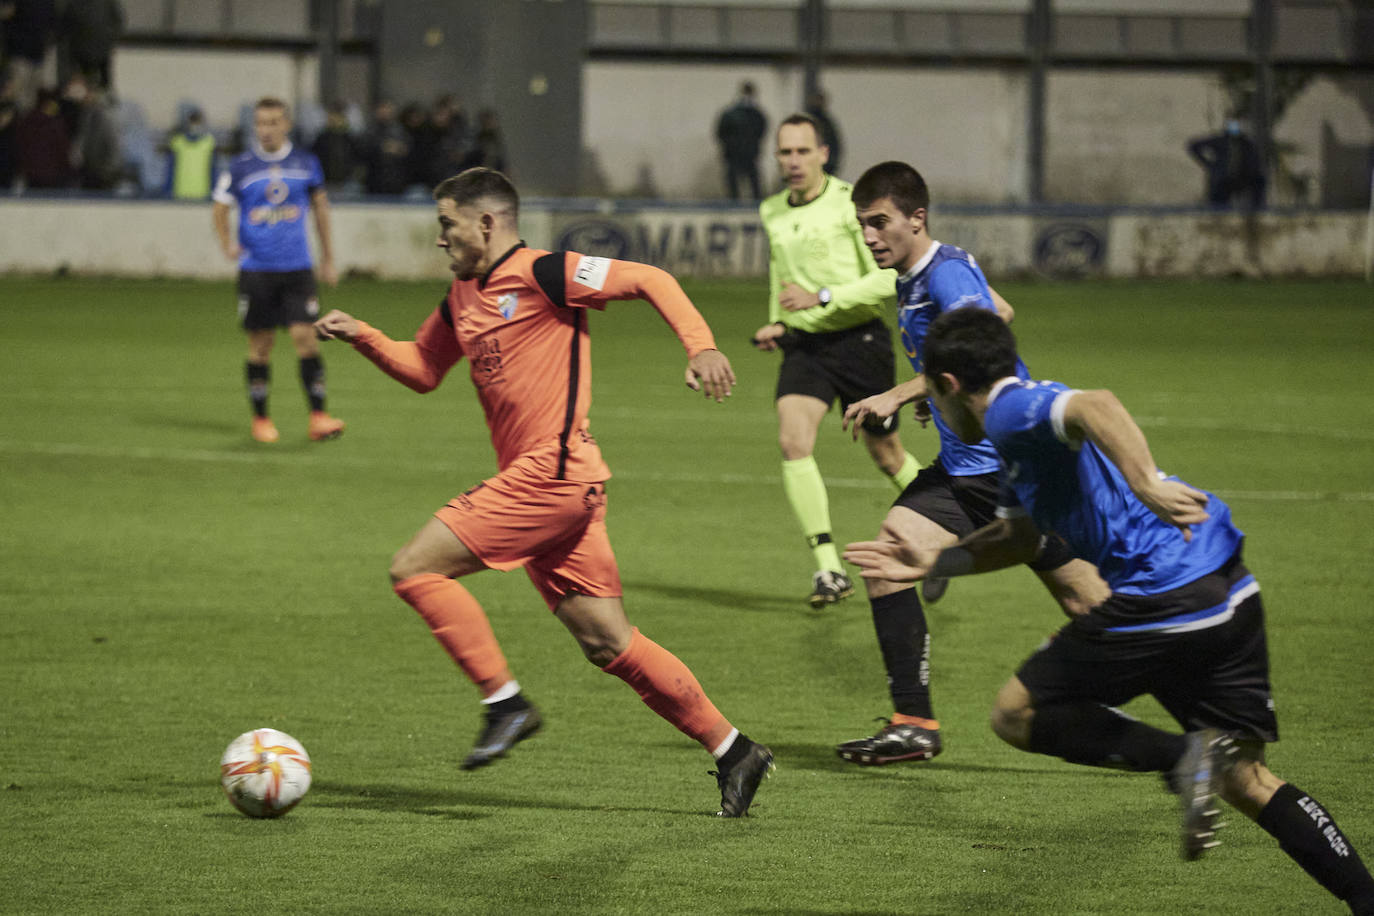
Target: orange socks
<point>669,688</point>
<point>903,719</point>
<point>461,626</point>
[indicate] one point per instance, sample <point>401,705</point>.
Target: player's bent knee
<point>1012,713</point>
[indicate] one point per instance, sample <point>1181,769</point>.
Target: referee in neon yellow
<point>826,298</point>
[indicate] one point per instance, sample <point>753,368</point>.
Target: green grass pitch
<point>167,584</point>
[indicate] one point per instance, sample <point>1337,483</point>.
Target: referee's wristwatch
<point>824,295</point>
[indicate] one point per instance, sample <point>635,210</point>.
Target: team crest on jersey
<point>506,305</point>
<point>277,190</point>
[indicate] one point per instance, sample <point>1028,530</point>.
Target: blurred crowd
<point>81,134</point>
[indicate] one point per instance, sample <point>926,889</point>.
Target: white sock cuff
<point>507,690</point>
<point>725,745</point>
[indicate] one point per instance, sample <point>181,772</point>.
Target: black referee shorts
<point>850,365</point>
<point>962,505</point>
<point>276,299</point>
<point>1215,677</point>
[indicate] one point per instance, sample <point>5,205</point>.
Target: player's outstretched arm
<point>882,405</point>
<point>419,364</point>
<point>1102,419</point>
<point>891,561</point>
<point>709,372</point>
<point>337,325</point>
<point>766,338</point>
<point>1004,309</point>
<point>1005,542</point>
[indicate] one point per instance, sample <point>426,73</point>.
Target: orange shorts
<point>556,529</point>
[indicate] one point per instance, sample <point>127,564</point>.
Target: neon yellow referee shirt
<point>819,244</point>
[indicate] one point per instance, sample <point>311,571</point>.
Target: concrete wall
<point>1113,137</point>
<point>397,241</point>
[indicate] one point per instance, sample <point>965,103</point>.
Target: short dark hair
<point>471,185</point>
<point>271,101</point>
<point>895,180</point>
<point>802,117</point>
<point>972,344</point>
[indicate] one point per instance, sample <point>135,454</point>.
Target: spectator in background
<point>95,154</point>
<point>27,27</point>
<point>740,131</point>
<point>423,142</point>
<point>386,151</point>
<point>1235,169</point>
<point>191,159</point>
<point>88,31</point>
<point>337,150</point>
<point>44,144</point>
<point>488,146</point>
<point>830,131</point>
<point>452,142</point>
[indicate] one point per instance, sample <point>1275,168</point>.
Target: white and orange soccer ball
<point>265,772</point>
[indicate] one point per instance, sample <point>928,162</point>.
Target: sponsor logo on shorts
<point>312,306</point>
<point>594,498</point>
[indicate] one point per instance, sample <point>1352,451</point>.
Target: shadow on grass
<point>447,802</point>
<point>822,758</point>
<point>733,599</point>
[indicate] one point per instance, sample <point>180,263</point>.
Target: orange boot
<point>323,426</point>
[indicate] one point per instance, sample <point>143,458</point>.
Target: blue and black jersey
<point>272,191</point>
<point>946,278</point>
<point>1073,490</point>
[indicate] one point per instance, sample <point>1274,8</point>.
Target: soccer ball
<point>265,772</point>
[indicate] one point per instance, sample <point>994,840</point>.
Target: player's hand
<point>329,273</point>
<point>336,325</point>
<point>1176,503</point>
<point>920,411</point>
<point>232,251</point>
<point>881,406</point>
<point>890,561</point>
<point>709,372</point>
<point>766,337</point>
<point>795,299</point>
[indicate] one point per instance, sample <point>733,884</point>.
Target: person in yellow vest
<point>190,173</point>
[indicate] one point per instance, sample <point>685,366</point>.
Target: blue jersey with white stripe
<point>272,191</point>
<point>945,278</point>
<point>1073,490</point>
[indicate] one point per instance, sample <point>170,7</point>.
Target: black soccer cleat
<point>500,733</point>
<point>894,744</point>
<point>828,587</point>
<point>739,783</point>
<point>1196,780</point>
<point>932,590</point>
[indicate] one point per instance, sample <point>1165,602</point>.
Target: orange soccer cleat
<point>323,426</point>
<point>264,430</point>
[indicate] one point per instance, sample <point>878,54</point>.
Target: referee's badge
<point>506,305</point>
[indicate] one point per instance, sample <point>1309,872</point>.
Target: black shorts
<point>275,299</point>
<point>962,505</point>
<point>1215,677</point>
<point>851,365</point>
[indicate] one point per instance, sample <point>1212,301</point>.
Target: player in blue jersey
<point>1184,622</point>
<point>953,495</point>
<point>273,184</point>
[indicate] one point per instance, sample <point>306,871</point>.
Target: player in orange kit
<point>519,315</point>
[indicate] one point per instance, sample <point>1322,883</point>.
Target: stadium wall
<point>396,241</point>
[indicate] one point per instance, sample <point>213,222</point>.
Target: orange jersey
<point>523,328</point>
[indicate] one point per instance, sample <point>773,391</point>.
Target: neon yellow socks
<point>801,481</point>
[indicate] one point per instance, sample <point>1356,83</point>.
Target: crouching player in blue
<point>1184,622</point>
